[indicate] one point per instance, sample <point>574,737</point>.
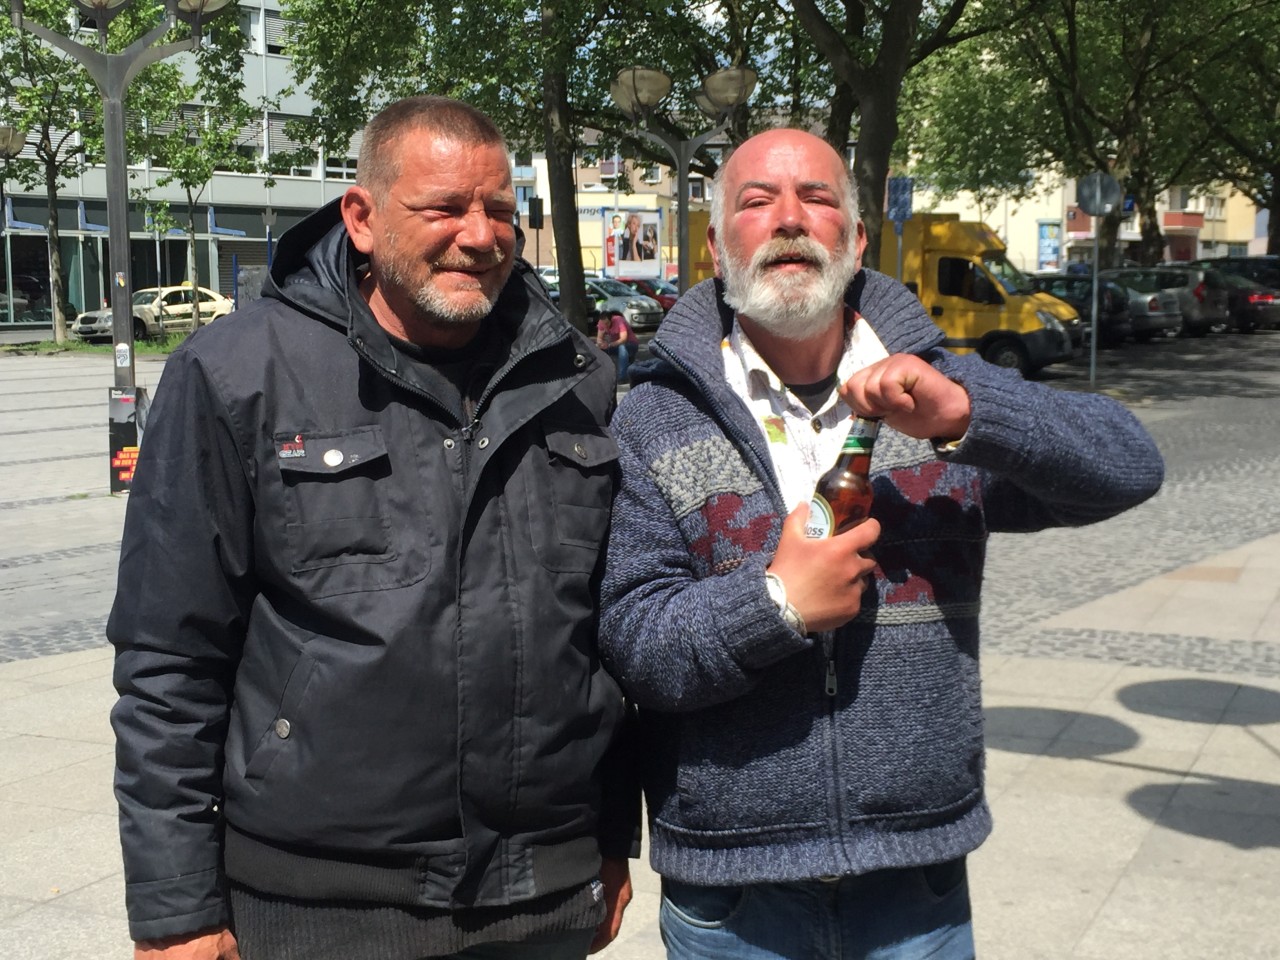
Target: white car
<point>157,311</point>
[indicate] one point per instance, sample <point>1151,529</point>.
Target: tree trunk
<point>558,132</point>
<point>1151,247</point>
<point>1108,228</point>
<point>1273,211</point>
<point>57,290</point>
<point>840,119</point>
<point>877,131</point>
<point>193,267</point>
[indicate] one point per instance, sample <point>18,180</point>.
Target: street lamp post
<point>638,90</point>
<point>112,72</point>
<point>12,140</point>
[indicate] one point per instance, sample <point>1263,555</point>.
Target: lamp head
<point>637,90</point>
<point>12,140</point>
<point>728,88</point>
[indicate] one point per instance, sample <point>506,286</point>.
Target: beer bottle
<point>842,498</point>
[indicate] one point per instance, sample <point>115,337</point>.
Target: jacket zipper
<point>829,652</point>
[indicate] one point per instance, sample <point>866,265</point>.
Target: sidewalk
<point>1136,793</point>
<point>1137,809</point>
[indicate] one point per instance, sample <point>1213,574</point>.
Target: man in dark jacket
<point>361,712</point>
<point>811,719</point>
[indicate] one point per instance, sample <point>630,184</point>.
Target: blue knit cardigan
<point>754,770</point>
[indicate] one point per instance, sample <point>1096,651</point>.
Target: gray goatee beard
<point>793,306</point>
<point>442,308</point>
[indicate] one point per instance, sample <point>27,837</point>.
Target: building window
<point>1237,249</point>
<point>277,31</point>
<point>697,189</point>
<point>339,168</point>
<point>1179,198</point>
<point>251,27</point>
<point>523,193</point>
<point>302,156</point>
<point>652,174</point>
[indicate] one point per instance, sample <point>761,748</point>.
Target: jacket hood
<point>313,271</point>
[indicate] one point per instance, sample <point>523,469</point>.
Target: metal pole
<point>118,238</point>
<point>1093,339</point>
<point>683,152</point>
<point>8,248</point>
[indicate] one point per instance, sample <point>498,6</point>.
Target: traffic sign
<point>1098,194</point>
<point>900,189</point>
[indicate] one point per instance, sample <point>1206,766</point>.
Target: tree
<point>209,128</point>
<point>54,100</point>
<point>969,127</point>
<point>1112,74</point>
<point>1237,89</point>
<point>871,47</point>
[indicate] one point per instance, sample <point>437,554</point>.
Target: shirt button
<point>579,361</point>
<point>817,425</point>
<point>283,728</point>
<point>448,443</point>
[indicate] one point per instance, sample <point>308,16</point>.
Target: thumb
<point>796,520</point>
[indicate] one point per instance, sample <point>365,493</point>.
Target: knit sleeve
<point>676,636</point>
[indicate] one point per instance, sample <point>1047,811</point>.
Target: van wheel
<point>139,329</point>
<point>1007,353</point>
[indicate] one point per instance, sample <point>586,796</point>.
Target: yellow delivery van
<point>981,301</point>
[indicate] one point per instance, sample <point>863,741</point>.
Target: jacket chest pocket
<point>333,500</point>
<point>570,494</point>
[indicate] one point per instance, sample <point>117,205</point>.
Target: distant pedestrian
<point>615,337</point>
<point>810,708</point>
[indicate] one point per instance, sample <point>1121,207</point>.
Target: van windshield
<point>1007,275</point>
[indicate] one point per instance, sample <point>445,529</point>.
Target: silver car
<point>1153,310</point>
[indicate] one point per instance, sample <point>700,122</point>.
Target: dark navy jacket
<point>354,634</point>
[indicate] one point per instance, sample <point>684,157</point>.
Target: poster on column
<point>632,242</point>
<point>1049,250</point>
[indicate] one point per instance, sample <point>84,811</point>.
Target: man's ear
<point>358,211</point>
<point>860,240</point>
<point>715,252</point>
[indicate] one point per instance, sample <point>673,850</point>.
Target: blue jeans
<point>907,914</point>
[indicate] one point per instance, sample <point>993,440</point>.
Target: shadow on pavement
<point>1219,365</point>
<point>1214,807</point>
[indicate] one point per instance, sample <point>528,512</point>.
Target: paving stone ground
<point>1131,677</point>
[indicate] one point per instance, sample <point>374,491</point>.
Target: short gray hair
<point>378,166</point>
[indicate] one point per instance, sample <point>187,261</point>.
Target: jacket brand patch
<point>291,449</point>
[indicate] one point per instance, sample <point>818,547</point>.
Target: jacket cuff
<point>175,905</point>
<point>751,625</point>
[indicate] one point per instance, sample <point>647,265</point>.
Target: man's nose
<point>789,216</point>
<point>476,231</point>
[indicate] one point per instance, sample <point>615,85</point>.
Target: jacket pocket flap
<point>586,446</point>
<point>330,453</point>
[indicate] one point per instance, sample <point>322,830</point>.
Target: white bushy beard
<point>793,306</point>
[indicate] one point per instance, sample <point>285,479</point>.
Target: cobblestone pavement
<point>1211,405</point>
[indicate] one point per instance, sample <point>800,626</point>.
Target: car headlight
<point>1050,321</point>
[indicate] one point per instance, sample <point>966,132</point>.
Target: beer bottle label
<point>822,521</point>
<point>861,436</point>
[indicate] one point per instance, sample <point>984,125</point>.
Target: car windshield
<point>142,297</point>
<point>1010,277</point>
<point>1241,283</point>
<point>613,288</point>
<point>664,286</point>
<point>1144,281</point>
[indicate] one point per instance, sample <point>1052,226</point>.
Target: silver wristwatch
<point>778,594</point>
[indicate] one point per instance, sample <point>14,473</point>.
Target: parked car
<point>157,311</point>
<point>1153,310</point>
<point>641,313</point>
<point>1114,321</point>
<point>1202,296</point>
<point>1251,306</point>
<point>664,291</point>
<point>589,302</point>
<point>1264,269</point>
